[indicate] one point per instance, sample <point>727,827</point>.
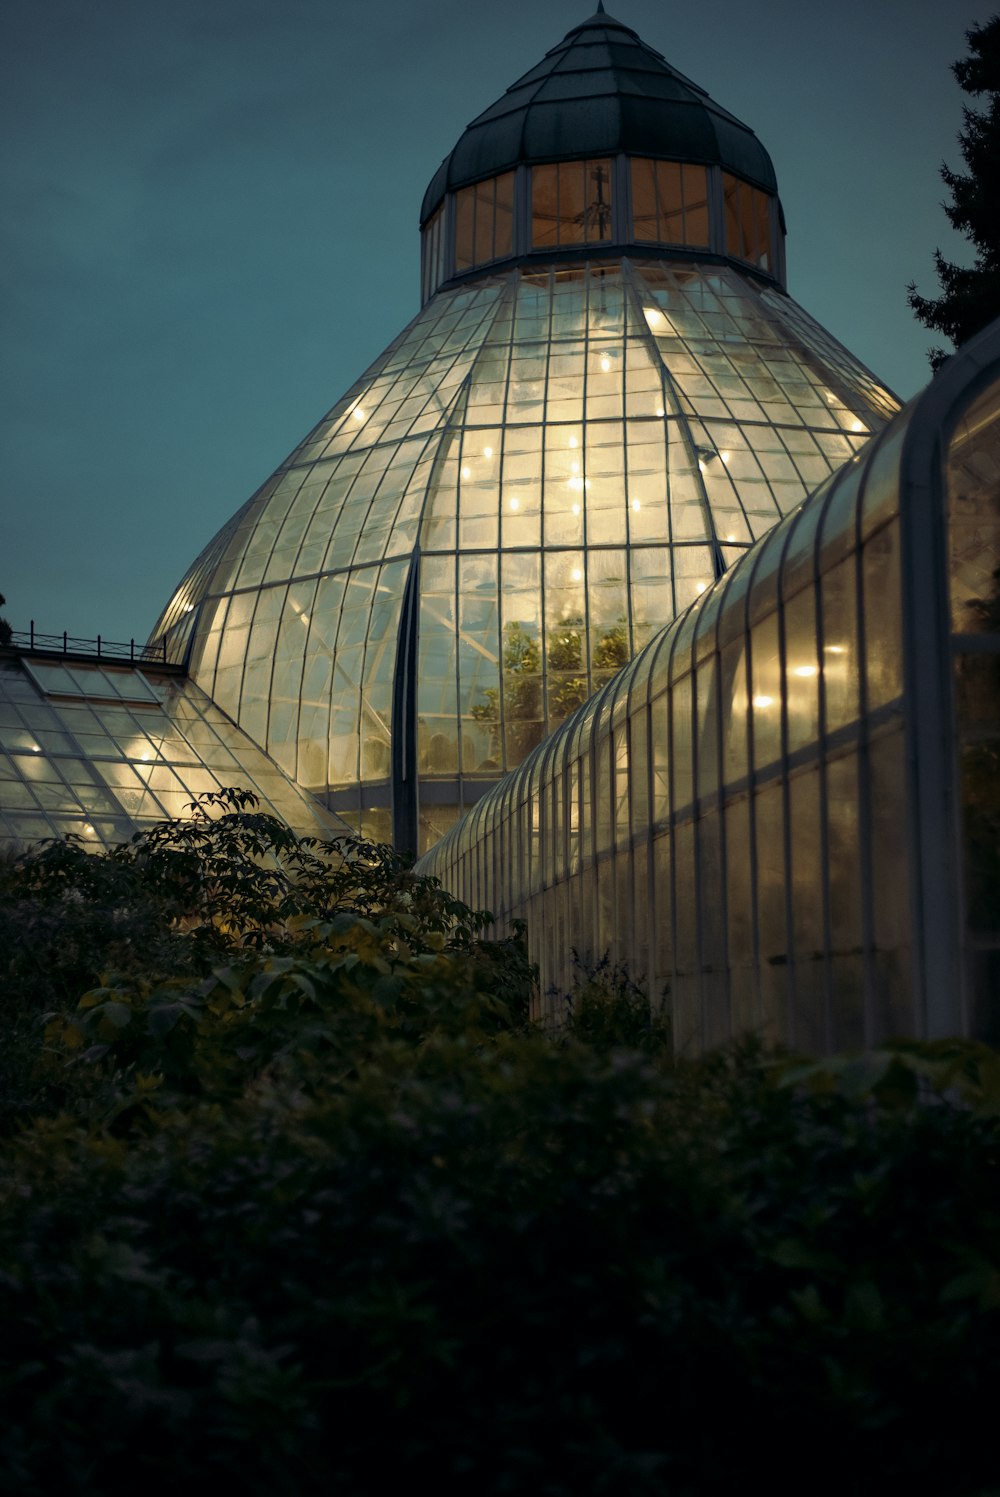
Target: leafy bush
<point>329,1216</point>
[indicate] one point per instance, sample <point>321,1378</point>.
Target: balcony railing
<point>91,649</point>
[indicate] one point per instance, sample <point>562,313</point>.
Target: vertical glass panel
<point>544,206</point>
<point>841,666</point>
<point>893,1010</point>
<point>680,699</point>
<point>806,890</point>
<point>731,209</point>
<point>771,933</point>
<point>695,205</point>
<point>883,616</point>
<point>483,239</point>
<point>844,897</point>
<point>644,227</point>
<point>670,202</point>
<point>503,242</point>
<point>735,713</point>
<point>801,670</point>
<point>765,665</point>
<point>465,218</point>
<point>572,226</point>
<point>598,212</point>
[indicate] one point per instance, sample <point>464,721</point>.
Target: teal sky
<point>210,229</point>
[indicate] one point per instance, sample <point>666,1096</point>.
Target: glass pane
<point>643,201</point>
<point>503,243</point>
<point>465,213</point>
<point>544,206</point>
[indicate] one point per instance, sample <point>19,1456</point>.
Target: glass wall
<point>752,815</point>
<point>562,460</point>
<point>620,200</point>
<point>103,751</point>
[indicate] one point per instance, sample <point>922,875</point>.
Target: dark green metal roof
<point>600,91</point>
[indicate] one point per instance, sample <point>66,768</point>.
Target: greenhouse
<point>607,397</point>
<point>785,812</point>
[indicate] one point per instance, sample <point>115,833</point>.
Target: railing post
<point>98,647</point>
<point>131,650</point>
<point>32,633</point>
<point>65,642</point>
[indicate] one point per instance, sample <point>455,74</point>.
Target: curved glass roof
<point>601,91</point>
<point>539,473</point>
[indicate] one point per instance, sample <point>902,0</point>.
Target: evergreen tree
<point>6,632</point>
<point>970,297</point>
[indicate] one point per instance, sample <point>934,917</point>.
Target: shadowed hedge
<point>329,1216</point>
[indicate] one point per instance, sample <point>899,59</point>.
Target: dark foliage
<point>970,296</point>
<point>321,1213</point>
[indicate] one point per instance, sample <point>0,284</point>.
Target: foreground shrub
<point>324,1214</point>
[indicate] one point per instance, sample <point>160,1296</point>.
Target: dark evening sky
<point>210,229</point>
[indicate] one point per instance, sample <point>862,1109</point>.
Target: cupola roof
<point>602,90</point>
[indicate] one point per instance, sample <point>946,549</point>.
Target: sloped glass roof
<point>103,753</point>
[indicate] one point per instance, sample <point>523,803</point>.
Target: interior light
<point>835,649</point>
<point>730,538</point>
<point>144,758</point>
<point>515,503</point>
<point>701,588</point>
<point>487,452</point>
<point>701,466</point>
<point>605,363</point>
<point>573,442</point>
<point>575,483</point>
<point>576,509</point>
<point>762,701</point>
<point>725,457</point>
<point>858,426</point>
<point>34,748</point>
<point>660,411</point>
<point>636,505</point>
<point>189,608</point>
<point>654,317</point>
<point>576,574</point>
<point>88,828</point>
<point>358,413</point>
<point>466,472</point>
<point>806,670</point>
<point>574,467</point>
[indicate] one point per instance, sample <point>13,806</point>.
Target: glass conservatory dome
<point>606,398</point>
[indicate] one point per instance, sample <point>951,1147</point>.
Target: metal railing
<point>93,649</point>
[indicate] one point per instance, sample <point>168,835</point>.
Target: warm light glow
<point>576,574</point>
<point>858,426</point>
<point>660,411</point>
<point>88,829</point>
<point>574,467</point>
<point>605,363</point>
<point>466,472</point>
<point>576,509</point>
<point>358,413</point>
<point>654,317</point>
<point>762,701</point>
<point>636,505</point>
<point>145,758</point>
<point>487,452</point>
<point>701,466</point>
<point>730,537</point>
<point>700,588</point>
<point>835,649</point>
<point>189,608</point>
<point>573,442</point>
<point>575,483</point>
<point>806,670</point>
<point>34,748</point>
<point>725,456</point>
<point>515,503</point>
